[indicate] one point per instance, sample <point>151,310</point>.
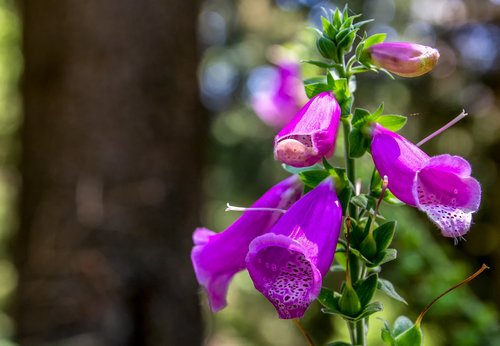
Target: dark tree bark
<point>111,173</point>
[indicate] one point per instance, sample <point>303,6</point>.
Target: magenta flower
<point>288,263</point>
<point>282,98</point>
<point>440,186</point>
<point>404,58</point>
<point>311,134</point>
<point>217,257</point>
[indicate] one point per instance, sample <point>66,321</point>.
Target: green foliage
<point>404,333</point>
<point>388,288</point>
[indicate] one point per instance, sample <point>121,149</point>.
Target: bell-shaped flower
<point>217,257</point>
<point>278,99</point>
<point>288,263</point>
<point>405,59</point>
<point>441,186</point>
<point>311,134</point>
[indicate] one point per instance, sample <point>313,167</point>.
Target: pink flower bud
<point>404,58</point>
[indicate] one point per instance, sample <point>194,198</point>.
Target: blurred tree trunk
<point>111,173</point>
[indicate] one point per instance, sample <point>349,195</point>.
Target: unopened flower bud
<point>404,58</point>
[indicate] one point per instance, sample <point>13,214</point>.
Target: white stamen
<point>444,128</point>
<point>233,208</point>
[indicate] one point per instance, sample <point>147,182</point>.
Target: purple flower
<point>283,96</point>
<point>311,134</point>
<point>440,186</point>
<point>288,263</point>
<point>217,257</point>
<point>404,58</point>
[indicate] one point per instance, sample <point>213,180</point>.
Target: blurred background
<point>125,125</point>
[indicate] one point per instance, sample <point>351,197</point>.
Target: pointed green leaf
<point>384,256</point>
<point>401,325</point>
<point>360,118</point>
<point>315,89</point>
<point>326,47</point>
<point>383,235</point>
<point>379,110</point>
<point>358,143</point>
<point>297,170</point>
<point>327,298</point>
<point>410,337</point>
<point>321,64</point>
<point>370,309</point>
<point>388,288</point>
<point>392,122</point>
<point>374,39</point>
<point>366,289</point>
<point>313,177</point>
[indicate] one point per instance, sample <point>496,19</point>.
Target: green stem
<point>360,332</point>
<point>349,163</point>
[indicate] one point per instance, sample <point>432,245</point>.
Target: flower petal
<point>398,159</point>
<point>446,192</point>
<point>280,269</point>
<point>300,246</point>
<point>217,257</point>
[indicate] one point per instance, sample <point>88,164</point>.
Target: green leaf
<point>328,28</point>
<point>370,309</point>
<point>401,325</point>
<point>297,170</point>
<point>313,177</point>
<point>379,110</point>
<point>321,64</point>
<point>392,122</point>
<point>339,343</point>
<point>411,337</point>
<point>364,201</point>
<point>337,19</point>
<point>374,39</point>
<point>358,143</point>
<point>384,256</point>
<point>363,22</point>
<point>344,196</point>
<point>366,289</point>
<point>368,247</point>
<point>313,89</point>
<point>328,299</point>
<point>386,334</point>
<point>383,235</point>
<point>326,47</point>
<point>361,117</point>
<point>387,287</point>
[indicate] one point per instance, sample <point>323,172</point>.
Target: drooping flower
<point>288,263</point>
<point>217,257</point>
<point>311,134</point>
<point>405,59</point>
<point>282,96</point>
<point>441,186</point>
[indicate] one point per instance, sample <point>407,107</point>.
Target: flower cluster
<point>287,240</point>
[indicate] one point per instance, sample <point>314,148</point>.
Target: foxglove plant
<point>288,254</point>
